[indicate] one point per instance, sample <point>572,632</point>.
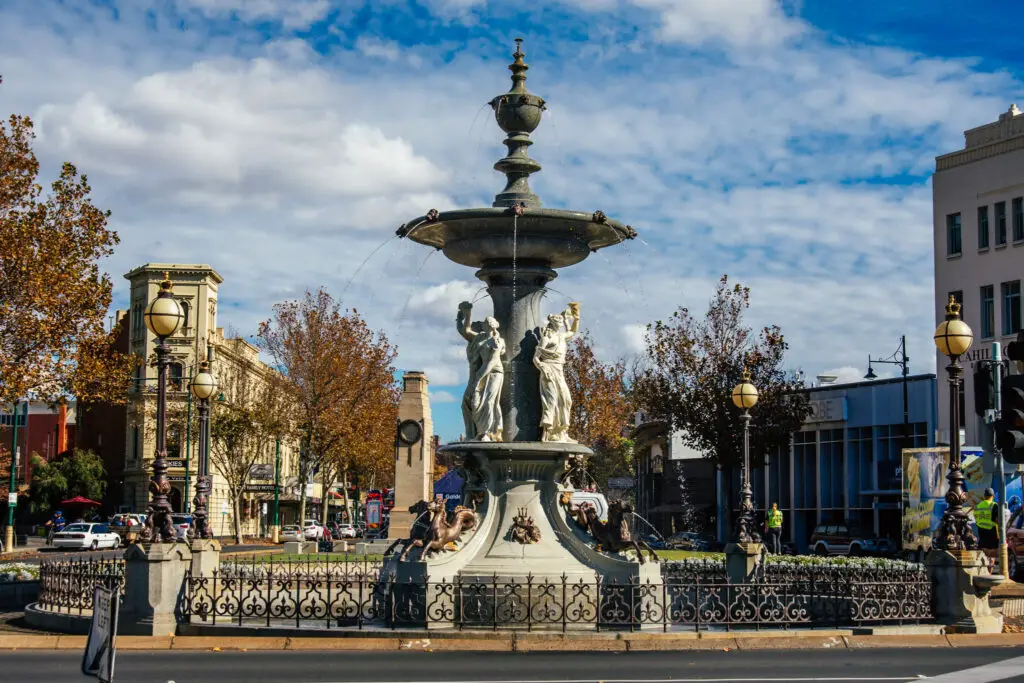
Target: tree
<point>53,296</point>
<point>80,473</point>
<point>687,515</point>
<point>244,429</point>
<point>601,409</point>
<point>340,376</point>
<point>693,365</point>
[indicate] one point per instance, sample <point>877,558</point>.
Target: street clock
<point>410,432</point>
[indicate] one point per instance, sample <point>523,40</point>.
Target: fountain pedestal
<point>962,583</point>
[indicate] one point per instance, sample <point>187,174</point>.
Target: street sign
<point>176,477</point>
<point>620,482</point>
<point>259,488</point>
<point>12,498</point>
<point>262,471</point>
<point>176,463</point>
<point>100,647</point>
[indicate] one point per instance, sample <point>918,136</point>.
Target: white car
<point>181,524</point>
<point>84,535</point>
<point>346,531</point>
<point>311,530</point>
<point>291,532</point>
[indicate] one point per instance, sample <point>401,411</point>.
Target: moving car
<point>841,539</point>
<point>86,536</point>
<point>291,532</point>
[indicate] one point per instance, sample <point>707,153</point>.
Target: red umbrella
<point>79,500</point>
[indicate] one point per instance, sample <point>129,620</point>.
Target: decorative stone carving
<point>524,530</point>
<point>549,359</point>
<point>481,402</point>
<point>575,475</point>
<point>612,536</point>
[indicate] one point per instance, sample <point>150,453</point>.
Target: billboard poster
<point>924,489</point>
<point>373,510</point>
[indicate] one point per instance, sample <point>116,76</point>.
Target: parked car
<point>841,539</point>
<point>291,532</point>
<point>688,540</point>
<point>127,525</point>
<point>86,536</point>
<point>181,524</point>
<point>654,542</point>
<point>311,530</point>
<point>345,531</point>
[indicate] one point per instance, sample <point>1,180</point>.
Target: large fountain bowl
<point>477,237</point>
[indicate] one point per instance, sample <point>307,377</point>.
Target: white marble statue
<point>481,402</point>
<point>549,358</point>
<point>487,388</point>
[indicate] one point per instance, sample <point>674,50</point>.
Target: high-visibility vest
<point>983,514</point>
<point>774,519</point>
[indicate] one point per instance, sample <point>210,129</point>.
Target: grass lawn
<point>687,554</point>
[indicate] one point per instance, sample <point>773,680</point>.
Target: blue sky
<point>787,144</point>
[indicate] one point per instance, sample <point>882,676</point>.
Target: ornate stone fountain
<point>517,455</point>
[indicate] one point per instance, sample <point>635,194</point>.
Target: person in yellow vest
<point>986,517</point>
<point>774,524</point>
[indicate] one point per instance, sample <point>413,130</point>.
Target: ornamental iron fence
<point>68,585</point>
<point>326,602</point>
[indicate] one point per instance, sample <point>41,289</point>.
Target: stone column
<point>961,582</point>
<point>154,585</point>
<point>516,293</point>
<point>741,560</point>
<point>414,463</point>
<point>205,557</point>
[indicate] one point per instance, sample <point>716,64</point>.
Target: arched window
<point>175,373</point>
<point>184,319</point>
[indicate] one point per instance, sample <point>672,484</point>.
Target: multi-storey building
<point>978,215</point>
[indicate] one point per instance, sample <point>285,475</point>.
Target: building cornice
<point>972,154</point>
<point>197,269</point>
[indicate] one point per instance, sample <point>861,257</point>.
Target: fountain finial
<point>518,113</point>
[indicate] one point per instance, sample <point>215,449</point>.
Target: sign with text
<point>827,410</point>
<point>176,463</point>
<point>259,488</point>
<point>12,498</point>
<point>261,471</point>
<point>176,477</point>
<point>100,647</point>
<point>620,482</point>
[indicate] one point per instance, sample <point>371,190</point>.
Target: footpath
<point>530,642</point>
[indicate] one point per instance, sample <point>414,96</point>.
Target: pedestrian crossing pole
<point>12,495</point>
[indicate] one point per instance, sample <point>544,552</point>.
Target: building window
<point>135,442</point>
<point>982,227</point>
<point>958,296</point>
<point>988,312</point>
<point>1011,307</point>
<point>1018,219</point>
<point>953,241</point>
<point>174,377</point>
<point>1000,223</point>
<point>184,317</point>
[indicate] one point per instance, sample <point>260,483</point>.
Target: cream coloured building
<point>196,289</point>
<point>978,223</point>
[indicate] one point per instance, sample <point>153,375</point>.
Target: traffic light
<point>1015,349</point>
<point>1010,429</point>
<point>984,393</point>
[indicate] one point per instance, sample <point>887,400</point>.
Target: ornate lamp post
<point>163,318</point>
<point>203,387</point>
<point>744,396</point>
<point>953,337</point>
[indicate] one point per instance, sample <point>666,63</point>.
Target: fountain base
<point>525,552</point>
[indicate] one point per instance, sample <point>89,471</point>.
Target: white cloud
<point>736,22</point>
<point>291,13</point>
<point>442,397</point>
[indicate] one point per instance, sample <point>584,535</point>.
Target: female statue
<point>549,359</point>
<point>474,334</point>
<point>489,378</point>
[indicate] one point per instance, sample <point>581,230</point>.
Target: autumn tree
<point>53,295</point>
<point>601,409</point>
<point>693,365</point>
<point>245,427</point>
<point>340,376</point>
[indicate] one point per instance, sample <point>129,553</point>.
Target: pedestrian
<point>774,524</point>
<point>986,512</point>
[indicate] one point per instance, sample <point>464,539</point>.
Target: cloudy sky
<point>788,144</point>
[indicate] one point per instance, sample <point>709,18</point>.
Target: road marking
<point>759,679</point>
<point>996,671</point>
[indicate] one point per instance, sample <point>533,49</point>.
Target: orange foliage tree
<point>341,376</point>
<point>53,295</point>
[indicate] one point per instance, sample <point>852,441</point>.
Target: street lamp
<point>744,396</point>
<point>953,337</point>
<point>163,318</point>
<point>899,357</point>
<point>203,387</point>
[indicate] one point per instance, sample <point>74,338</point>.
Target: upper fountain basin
<point>475,237</point>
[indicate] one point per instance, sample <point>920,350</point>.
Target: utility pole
<point>12,494</point>
<point>997,382</point>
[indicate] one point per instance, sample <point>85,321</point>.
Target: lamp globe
<point>164,315</point>
<point>744,395</point>
<point>953,336</point>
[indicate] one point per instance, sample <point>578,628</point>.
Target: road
<point>779,666</point>
<point>48,553</point>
